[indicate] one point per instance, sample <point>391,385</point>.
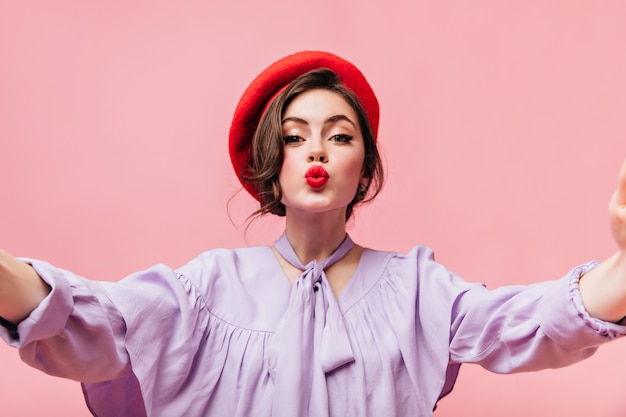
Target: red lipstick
<point>316,176</point>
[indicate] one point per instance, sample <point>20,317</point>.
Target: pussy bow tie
<point>310,341</point>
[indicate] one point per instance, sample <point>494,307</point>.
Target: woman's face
<point>323,153</point>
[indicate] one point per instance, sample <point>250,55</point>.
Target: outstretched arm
<point>603,289</point>
<point>21,289</point>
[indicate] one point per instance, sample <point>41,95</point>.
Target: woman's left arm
<point>603,289</point>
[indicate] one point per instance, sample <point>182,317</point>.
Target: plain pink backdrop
<point>502,128</point>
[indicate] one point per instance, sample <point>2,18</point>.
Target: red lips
<point>316,176</point>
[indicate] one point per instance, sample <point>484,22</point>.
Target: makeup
<point>316,176</point>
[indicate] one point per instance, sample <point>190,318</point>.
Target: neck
<point>315,236</point>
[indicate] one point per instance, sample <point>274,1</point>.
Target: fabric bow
<point>311,340</point>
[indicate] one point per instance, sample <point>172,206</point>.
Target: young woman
<point>315,324</point>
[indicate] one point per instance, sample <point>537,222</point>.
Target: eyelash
<point>291,139</point>
<point>342,137</point>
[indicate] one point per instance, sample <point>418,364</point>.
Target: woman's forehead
<point>319,105</point>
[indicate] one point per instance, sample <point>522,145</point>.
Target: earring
<point>361,192</point>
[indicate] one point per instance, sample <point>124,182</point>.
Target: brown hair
<point>266,154</point>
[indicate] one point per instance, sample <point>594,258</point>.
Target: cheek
<point>353,166</point>
<point>287,171</point>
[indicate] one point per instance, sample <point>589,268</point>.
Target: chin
<point>317,208</point>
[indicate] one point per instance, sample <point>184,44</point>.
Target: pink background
<point>502,128</point>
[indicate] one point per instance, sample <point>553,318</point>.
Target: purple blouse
<point>228,335</point>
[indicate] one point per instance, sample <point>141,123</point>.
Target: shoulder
<point>399,263</point>
<point>415,271</point>
<point>233,271</point>
<point>220,260</point>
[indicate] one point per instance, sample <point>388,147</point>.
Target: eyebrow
<point>331,119</point>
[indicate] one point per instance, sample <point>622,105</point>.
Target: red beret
<point>272,80</point>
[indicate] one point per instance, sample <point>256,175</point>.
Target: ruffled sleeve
<point>117,338</point>
<point>527,328</point>
<point>76,314</point>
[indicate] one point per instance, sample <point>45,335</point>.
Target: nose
<point>318,153</point>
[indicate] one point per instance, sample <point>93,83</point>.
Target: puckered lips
<point>316,176</point>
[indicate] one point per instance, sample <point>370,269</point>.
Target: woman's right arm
<point>62,324</point>
<point>21,289</point>
<point>91,331</point>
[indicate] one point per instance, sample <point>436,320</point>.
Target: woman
<point>314,325</point>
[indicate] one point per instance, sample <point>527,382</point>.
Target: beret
<point>270,82</point>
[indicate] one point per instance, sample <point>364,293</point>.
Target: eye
<point>292,139</point>
<point>342,137</point>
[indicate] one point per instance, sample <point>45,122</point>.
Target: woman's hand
<point>617,212</point>
<point>21,288</point>
<point>603,289</point>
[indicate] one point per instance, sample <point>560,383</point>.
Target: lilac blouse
<point>228,335</point>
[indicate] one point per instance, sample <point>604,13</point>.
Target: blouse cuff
<point>566,321</point>
<point>49,317</point>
